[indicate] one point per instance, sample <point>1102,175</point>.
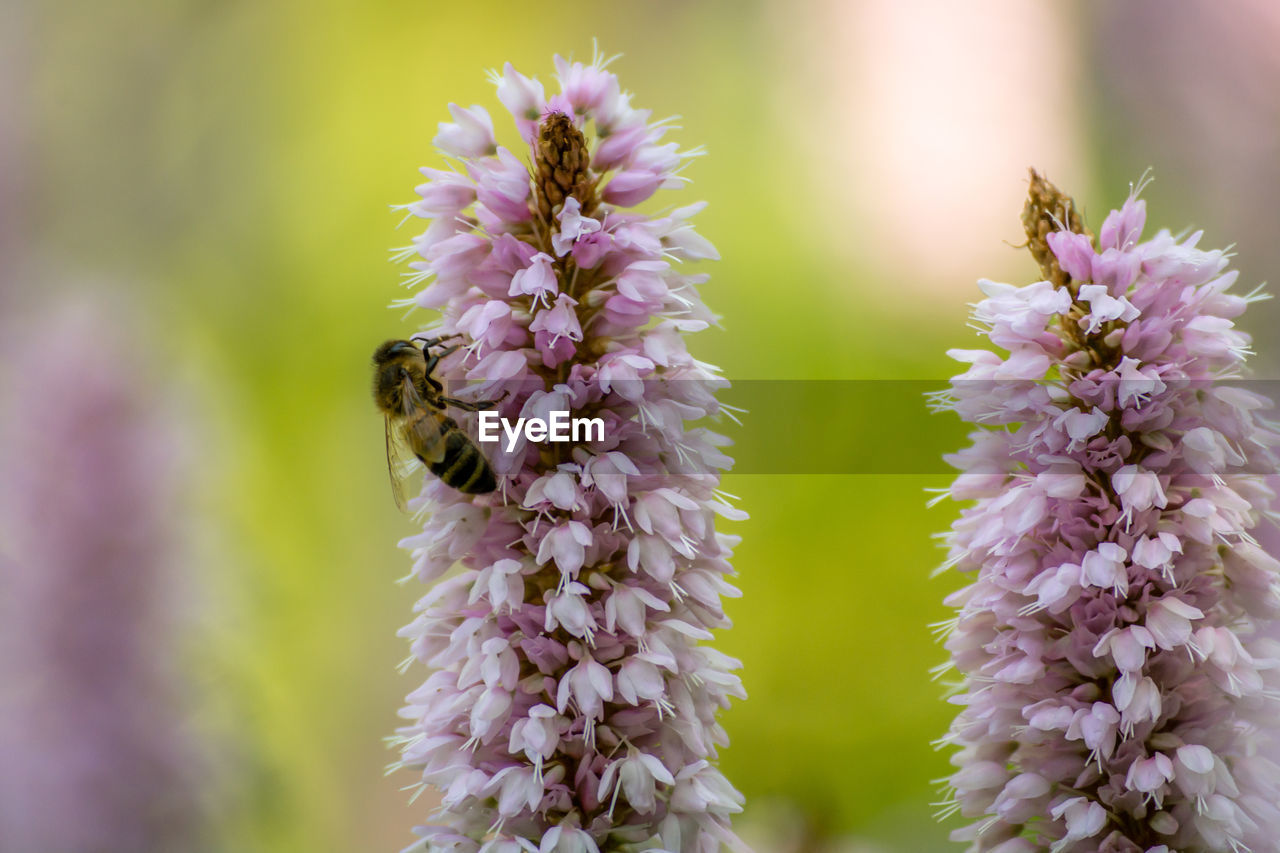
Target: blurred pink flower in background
<point>572,706</point>
<point>910,117</point>
<point>1193,95</point>
<point>1120,676</point>
<point>94,754</point>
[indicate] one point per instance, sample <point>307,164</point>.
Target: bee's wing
<point>425,434</point>
<point>425,425</point>
<point>401,461</point>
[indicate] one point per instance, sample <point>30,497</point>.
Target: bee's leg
<point>428,343</point>
<point>477,406</point>
<point>435,359</point>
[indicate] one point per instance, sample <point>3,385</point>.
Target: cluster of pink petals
<point>572,705</point>
<point>1119,673</point>
<point>94,753</point>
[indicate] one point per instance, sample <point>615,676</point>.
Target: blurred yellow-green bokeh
<point>229,168</point>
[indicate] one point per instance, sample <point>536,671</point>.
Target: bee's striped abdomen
<point>463,466</point>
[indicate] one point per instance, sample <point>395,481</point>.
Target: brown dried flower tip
<point>1048,209</point>
<point>561,163</point>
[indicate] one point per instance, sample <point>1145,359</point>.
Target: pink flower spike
<point>571,693</point>
<point>96,721</point>
<point>1116,640</point>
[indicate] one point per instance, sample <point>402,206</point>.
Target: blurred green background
<point>227,168</point>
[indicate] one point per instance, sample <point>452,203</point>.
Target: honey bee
<point>414,404</point>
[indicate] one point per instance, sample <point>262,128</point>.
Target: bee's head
<point>394,351</point>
